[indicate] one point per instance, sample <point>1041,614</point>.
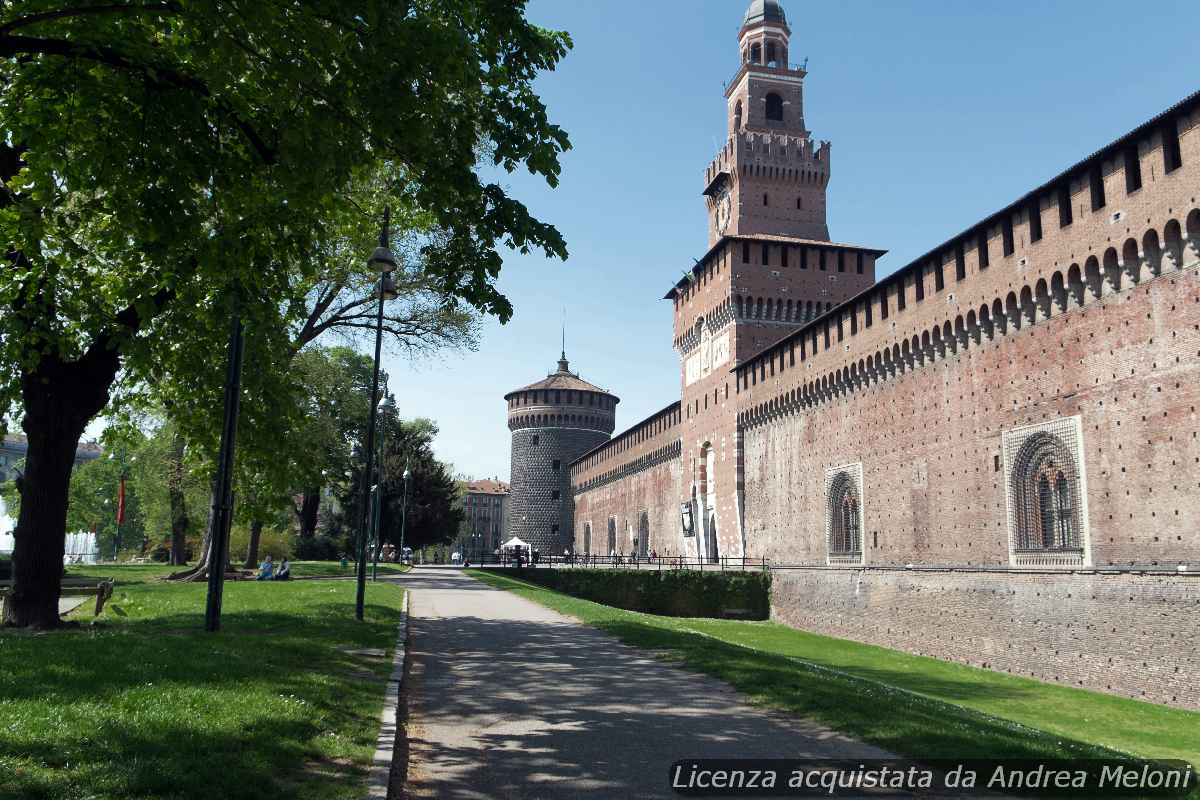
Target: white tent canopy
<point>515,541</point>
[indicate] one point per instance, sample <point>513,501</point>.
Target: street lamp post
<point>384,262</point>
<point>404,510</point>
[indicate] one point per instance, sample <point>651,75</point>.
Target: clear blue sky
<point>939,114</point>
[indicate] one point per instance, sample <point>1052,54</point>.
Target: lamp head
<point>382,260</point>
<point>387,288</point>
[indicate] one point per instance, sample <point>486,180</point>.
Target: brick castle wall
<point>929,440</point>
<point>1132,635</point>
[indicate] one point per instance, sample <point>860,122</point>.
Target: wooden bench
<point>103,592</point>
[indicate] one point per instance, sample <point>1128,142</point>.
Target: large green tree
<point>166,163</point>
<point>432,513</point>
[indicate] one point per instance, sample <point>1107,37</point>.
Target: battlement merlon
<point>773,149</point>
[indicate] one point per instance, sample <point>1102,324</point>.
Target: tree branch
<point>66,13</point>
<point>11,46</point>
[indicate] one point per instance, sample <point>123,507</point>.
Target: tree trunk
<point>309,506</point>
<point>179,518</point>
<point>200,571</point>
<point>59,398</point>
<point>256,528</point>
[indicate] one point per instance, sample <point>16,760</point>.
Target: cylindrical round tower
<point>553,422</point>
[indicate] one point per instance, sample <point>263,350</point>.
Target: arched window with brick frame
<point>844,510</point>
<point>1045,491</point>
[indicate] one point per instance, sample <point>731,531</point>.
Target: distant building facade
<point>14,447</point>
<point>485,505</point>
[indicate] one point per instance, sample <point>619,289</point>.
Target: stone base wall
<point>1136,635</point>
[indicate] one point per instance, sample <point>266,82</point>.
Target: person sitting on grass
<point>266,570</point>
<point>285,571</point>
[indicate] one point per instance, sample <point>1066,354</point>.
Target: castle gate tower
<point>553,422</point>
<point>770,268</point>
<point>769,177</point>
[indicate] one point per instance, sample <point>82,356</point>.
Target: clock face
<point>723,204</point>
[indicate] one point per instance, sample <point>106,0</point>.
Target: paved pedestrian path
<point>508,699</point>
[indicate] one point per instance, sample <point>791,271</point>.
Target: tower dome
<point>553,422</point>
<point>764,11</point>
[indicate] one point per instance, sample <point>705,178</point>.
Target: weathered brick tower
<point>770,176</point>
<point>553,422</point>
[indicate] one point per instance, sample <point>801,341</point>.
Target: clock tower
<point>770,176</point>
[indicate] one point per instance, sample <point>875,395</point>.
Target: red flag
<point>121,503</point>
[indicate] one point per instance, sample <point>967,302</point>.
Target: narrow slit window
<point>1172,158</point>
<point>1035,220</point>
<point>982,247</point>
<point>960,262</point>
<point>1133,170</point>
<point>1096,185</point>
<point>1064,205</point>
<point>1006,232</point>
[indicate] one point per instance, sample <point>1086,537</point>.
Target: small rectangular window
<point>803,257</point>
<point>841,261</point>
<point>555,464</point>
<point>900,299</point>
<point>995,463</point>
<point>1172,158</point>
<point>960,261</point>
<point>858,267</point>
<point>1133,170</point>
<point>919,281</point>
<point>939,281</point>
<point>745,252</point>
<point>867,313</point>
<point>853,322</point>
<point>883,304</point>
<point>822,257</point>
<point>1064,204</point>
<point>1035,220</point>
<point>1006,234</point>
<point>783,250</point>
<point>826,334</point>
<point>982,248</point>
<point>1096,184</point>
<point>766,254</point>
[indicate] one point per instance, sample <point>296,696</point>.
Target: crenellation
<point>1013,412</point>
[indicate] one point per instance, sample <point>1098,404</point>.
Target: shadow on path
<point>509,699</point>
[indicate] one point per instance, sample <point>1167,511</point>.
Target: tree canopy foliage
<point>166,163</point>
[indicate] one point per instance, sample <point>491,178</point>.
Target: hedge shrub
<point>672,593</point>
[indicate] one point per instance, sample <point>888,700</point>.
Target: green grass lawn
<point>283,702</point>
<point>911,705</point>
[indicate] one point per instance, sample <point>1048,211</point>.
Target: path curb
<point>380,773</point>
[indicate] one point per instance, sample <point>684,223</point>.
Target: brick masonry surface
<point>1072,314</point>
<point>1132,635</point>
